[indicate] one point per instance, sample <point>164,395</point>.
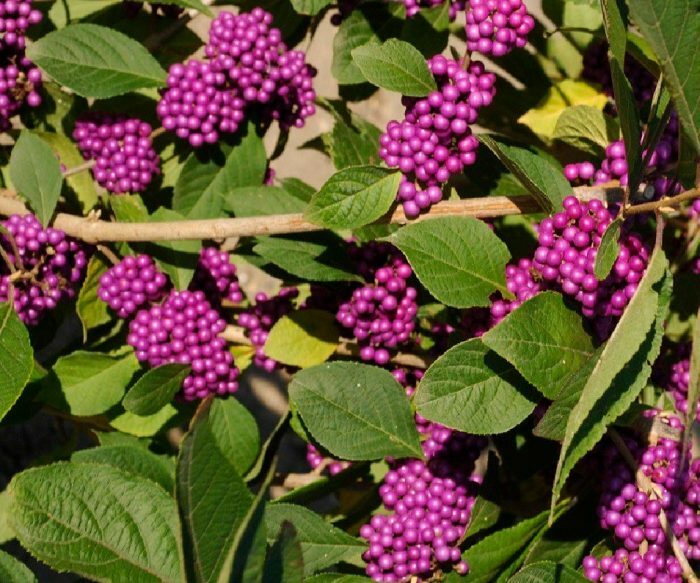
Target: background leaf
<point>12,571</point>
<point>584,126</point>
<point>472,389</point>
<point>36,174</point>
<point>458,259</point>
<point>303,338</point>
<point>608,251</point>
<point>545,572</point>
<point>16,358</point>
<point>96,61</point>
<point>105,523</point>
<point>92,311</point>
<point>355,411</point>
<point>255,201</point>
<point>156,388</point>
<point>311,7</point>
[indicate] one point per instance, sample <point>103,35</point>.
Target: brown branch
<point>236,335</point>
<point>93,231</point>
<point>671,201</point>
<point>78,169</point>
<point>653,489</point>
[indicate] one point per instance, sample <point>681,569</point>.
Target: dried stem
<point>653,489</point>
<point>93,231</point>
<point>109,254</point>
<point>236,335</point>
<point>78,169</point>
<point>672,201</point>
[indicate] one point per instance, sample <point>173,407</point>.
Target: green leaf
<point>129,208</point>
<point>196,4</point>
<point>97,521</point>
<point>36,174</point>
<point>12,571</point>
<point>556,550</point>
<point>68,154</point>
<point>353,142</point>
<point>311,7</point>
<point>135,460</point>
<point>583,125</point>
<point>285,560</point>
<point>92,311</point>
<point>672,29</point>
<point>16,358</point>
<point>487,557</point>
<point>472,389</point>
<point>155,389</point>
<point>322,544</point>
<point>236,433</point>
<point>6,532</point>
<point>298,188</point>
<point>622,370</point>
<point>321,257</point>
<point>90,383</point>
<point>546,572</point>
<point>544,340</point>
<point>255,201</point>
<point>177,258</point>
<point>694,382</point>
<point>396,66</point>
<point>355,411</point>
<point>303,338</point>
<point>459,260</point>
<point>353,32</point>
<point>354,197</point>
<point>212,496</point>
<point>143,425</point>
<point>608,250</point>
<point>337,578</point>
<point>566,95</point>
<point>484,515</point>
<point>542,179</point>
<point>96,61</point>
<point>201,193</point>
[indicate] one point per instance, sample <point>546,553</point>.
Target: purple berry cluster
<point>256,61</point>
<point>215,275</point>
<point>185,329</point>
<point>496,27</point>
<point>259,319</point>
<point>198,104</point>
<point>121,147</point>
<point>16,16</point>
<point>134,282</point>
<point>47,267</point>
<point>673,374</point>
<point>20,81</point>
<point>382,314</point>
<point>565,258</point>
<point>524,282</point>
<point>632,567</point>
<point>434,141</point>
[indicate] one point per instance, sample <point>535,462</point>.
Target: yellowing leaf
<point>542,119</point>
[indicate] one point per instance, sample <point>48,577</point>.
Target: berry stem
<point>78,169</point>
<point>109,254</point>
<point>651,489</point>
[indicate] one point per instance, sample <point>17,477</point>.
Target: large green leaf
<point>255,201</point>
<point>16,358</point>
<point>672,29</point>
<point>622,370</point>
<point>458,259</point>
<point>544,339</point>
<point>355,411</point>
<point>322,544</point>
<point>96,61</point>
<point>354,197</point>
<point>97,521</point>
<point>472,389</point>
<point>132,459</point>
<point>12,571</point>
<point>200,193</point>
<point>36,174</point>
<point>155,389</point>
<point>213,498</point>
<point>587,128</point>
<point>395,65</point>
<point>303,338</point>
<point>544,180</point>
<point>90,383</point>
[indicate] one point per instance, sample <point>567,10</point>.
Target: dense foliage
<point>482,324</point>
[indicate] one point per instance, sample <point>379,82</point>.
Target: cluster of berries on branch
<point>248,66</point>
<point>20,80</point>
<point>185,329</point>
<point>633,513</point>
<point>496,27</point>
<point>45,267</point>
<point>672,372</point>
<point>258,320</point>
<point>434,141</point>
<point>125,161</point>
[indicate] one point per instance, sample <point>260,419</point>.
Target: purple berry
<point>495,27</point>
<point>16,16</point>
<point>215,275</point>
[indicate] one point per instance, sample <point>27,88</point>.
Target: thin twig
<point>93,231</point>
<point>78,169</point>
<point>109,254</point>
<point>672,201</point>
<point>653,489</point>
<point>236,335</point>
